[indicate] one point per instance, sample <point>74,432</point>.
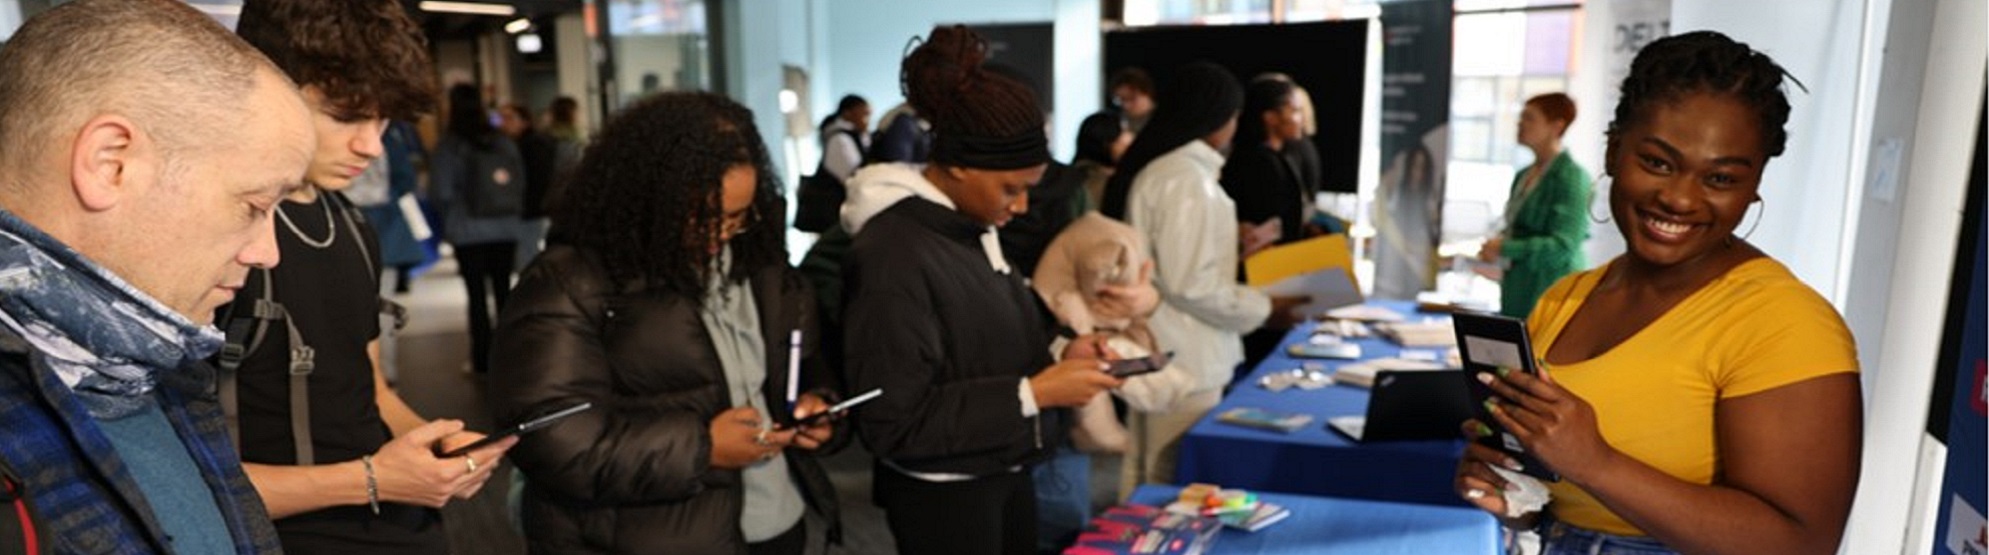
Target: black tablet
<point>1489,342</point>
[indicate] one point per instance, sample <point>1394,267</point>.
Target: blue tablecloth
<point>1326,526</point>
<point>1315,460</point>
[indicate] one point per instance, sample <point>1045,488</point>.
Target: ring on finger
<point>760,439</point>
<point>470,462</point>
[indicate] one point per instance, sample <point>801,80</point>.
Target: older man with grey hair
<point>142,148</point>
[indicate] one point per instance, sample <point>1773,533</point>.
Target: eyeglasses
<point>736,224</point>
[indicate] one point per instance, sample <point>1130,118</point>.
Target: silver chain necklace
<point>331,228</point>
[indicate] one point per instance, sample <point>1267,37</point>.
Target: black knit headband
<point>1014,152</point>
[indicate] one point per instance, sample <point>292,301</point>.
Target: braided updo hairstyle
<point>944,80</point>
<point>1706,61</point>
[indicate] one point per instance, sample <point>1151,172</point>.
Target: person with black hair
<point>1167,188</point>
<point>342,461</point>
<point>540,153</point>
<point>1257,175</point>
<point>669,305</point>
<point>1101,139</point>
<point>476,179</point>
<point>845,137</point>
<point>938,319</point>
<point>1132,93</point>
<point>1695,396</point>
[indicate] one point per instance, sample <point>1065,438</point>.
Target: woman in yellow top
<point>1697,398</point>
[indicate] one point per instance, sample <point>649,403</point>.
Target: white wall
<point>10,18</point>
<point>1804,190</point>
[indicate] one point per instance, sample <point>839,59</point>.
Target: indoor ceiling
<point>447,26</point>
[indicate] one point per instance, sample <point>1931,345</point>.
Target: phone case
<point>1488,342</point>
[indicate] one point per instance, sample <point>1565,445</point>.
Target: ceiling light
<point>518,26</point>
<point>530,44</point>
<point>473,8</point>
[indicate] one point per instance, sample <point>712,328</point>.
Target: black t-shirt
<point>331,294</point>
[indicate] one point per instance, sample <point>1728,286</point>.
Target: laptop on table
<point>1410,405</point>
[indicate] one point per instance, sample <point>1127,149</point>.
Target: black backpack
<point>495,184</point>
<point>818,201</point>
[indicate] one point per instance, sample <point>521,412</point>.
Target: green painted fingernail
<point>1503,371</point>
<point>1491,405</point>
<point>1483,430</point>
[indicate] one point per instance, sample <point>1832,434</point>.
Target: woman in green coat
<point>1545,216</point>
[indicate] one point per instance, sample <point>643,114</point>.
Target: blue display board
<point>1960,529</point>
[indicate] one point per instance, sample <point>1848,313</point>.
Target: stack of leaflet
<point>1420,334</point>
<point>1361,374</point>
<point>1146,530</point>
<point>1235,508</point>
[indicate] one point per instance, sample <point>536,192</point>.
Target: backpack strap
<point>245,330</point>
<point>303,359</point>
<point>352,218</point>
<point>245,334</point>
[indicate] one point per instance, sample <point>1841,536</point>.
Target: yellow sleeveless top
<point>1754,329</point>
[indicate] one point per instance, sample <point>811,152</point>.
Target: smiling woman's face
<point>1684,176</point>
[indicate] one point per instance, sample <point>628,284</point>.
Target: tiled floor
<point>432,353</point>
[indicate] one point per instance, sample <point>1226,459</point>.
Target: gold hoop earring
<point>1591,205</point>
<point>1757,223</point>
<point>1757,219</point>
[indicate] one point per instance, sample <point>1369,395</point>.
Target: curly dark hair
<point>367,56</point>
<point>646,195</point>
<point>1706,62</point>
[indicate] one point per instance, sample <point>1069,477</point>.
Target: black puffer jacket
<point>632,475</point>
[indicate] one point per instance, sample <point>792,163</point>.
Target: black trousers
<point>486,270</point>
<point>995,515</point>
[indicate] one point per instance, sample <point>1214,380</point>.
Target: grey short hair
<point>175,72</point>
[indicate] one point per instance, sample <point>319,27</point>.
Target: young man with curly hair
<point>341,461</point>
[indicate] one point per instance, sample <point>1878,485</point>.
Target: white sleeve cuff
<point>1022,391</point>
<point>1057,347</point>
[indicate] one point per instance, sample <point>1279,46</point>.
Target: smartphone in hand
<point>1488,343</point>
<point>529,425</point>
<point>1129,367</point>
<point>839,408</point>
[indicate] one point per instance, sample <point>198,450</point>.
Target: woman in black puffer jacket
<point>670,307</point>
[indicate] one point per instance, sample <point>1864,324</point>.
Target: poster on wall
<point>1612,33</point>
<point>1962,389</point>
<point>1415,139</point>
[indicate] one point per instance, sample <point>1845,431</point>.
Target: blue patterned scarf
<point>105,340</point>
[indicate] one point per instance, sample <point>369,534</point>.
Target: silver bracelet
<point>372,485</point>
